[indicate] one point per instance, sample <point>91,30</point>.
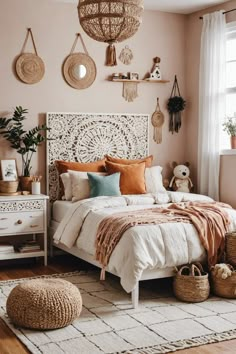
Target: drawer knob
<point>19,222</point>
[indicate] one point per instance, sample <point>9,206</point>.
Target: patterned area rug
<point>109,324</point>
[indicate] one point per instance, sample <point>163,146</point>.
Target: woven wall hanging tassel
<point>175,105</point>
<point>130,91</point>
<point>111,55</point>
<point>157,122</point>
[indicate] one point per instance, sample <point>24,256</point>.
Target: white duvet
<point>141,247</point>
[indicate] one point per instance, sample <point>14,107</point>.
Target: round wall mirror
<point>79,70</point>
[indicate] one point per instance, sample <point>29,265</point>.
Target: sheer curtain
<point>211,102</point>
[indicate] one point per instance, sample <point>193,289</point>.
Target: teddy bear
<point>181,182</point>
<point>221,270</point>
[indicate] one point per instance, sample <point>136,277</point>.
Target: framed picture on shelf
<point>134,76</point>
<point>9,171</point>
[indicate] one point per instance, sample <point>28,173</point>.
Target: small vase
<point>25,183</point>
<point>233,142</point>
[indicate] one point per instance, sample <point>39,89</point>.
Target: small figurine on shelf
<point>155,72</point>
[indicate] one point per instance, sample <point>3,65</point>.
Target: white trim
<point>228,152</point>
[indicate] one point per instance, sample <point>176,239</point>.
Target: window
<point>230,79</point>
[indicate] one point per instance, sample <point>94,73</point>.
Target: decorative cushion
<point>104,185</point>
<point>147,160</point>
<point>64,166</point>
<point>79,184</point>
<point>153,180</point>
<point>66,180</point>
<point>44,303</point>
<point>132,179</point>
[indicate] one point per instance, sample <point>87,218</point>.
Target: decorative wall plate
<point>30,68</point>
<point>79,70</point>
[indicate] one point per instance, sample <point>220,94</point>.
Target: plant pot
<point>25,183</point>
<point>233,142</point>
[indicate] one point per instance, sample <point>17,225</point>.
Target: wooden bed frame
<point>87,137</point>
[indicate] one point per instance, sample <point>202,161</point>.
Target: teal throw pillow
<point>104,185</point>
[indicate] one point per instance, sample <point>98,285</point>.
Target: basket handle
<point>182,268</point>
<point>195,269</point>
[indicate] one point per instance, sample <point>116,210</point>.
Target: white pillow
<point>65,177</point>
<point>80,184</point>
<point>153,180</point>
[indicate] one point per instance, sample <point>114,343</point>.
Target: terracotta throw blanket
<point>209,220</point>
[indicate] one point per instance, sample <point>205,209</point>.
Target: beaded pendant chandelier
<point>110,21</point>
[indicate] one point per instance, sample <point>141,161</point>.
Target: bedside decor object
<point>181,181</point>
<point>157,122</point>
<point>229,126</point>
<point>191,283</point>
<point>230,247</point>
<point>29,66</point>
<point>25,142</point>
<point>224,286</point>
<point>126,55</point>
<point>110,21</point>
<point>8,169</point>
<point>134,76</point>
<point>79,69</point>
<point>44,303</point>
<point>155,73</point>
<point>175,105</point>
<point>9,187</point>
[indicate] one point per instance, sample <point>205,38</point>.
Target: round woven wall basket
<point>72,73</point>
<point>191,284</point>
<point>30,68</point>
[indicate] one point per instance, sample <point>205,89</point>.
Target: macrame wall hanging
<point>79,69</point>
<point>175,106</point>
<point>110,22</point>
<point>29,66</point>
<point>157,122</point>
<point>130,91</point>
<point>126,55</point>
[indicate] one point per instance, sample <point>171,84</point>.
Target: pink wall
<point>228,163</point>
<point>54,26</point>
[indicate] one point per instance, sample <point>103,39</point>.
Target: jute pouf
<point>44,303</point>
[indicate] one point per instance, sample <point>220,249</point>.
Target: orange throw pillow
<point>147,160</point>
<point>132,179</point>
<point>64,166</point>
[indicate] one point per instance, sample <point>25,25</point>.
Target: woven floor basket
<point>224,287</point>
<point>230,247</point>
<point>44,303</point>
<point>191,284</point>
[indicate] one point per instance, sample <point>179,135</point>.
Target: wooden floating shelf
<point>138,81</point>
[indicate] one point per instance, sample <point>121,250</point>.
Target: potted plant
<point>229,126</point>
<point>25,142</point>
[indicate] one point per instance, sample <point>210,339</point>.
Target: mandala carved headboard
<point>87,137</point>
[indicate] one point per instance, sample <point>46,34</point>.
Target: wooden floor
<point>9,344</point>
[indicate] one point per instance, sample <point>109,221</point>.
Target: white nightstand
<point>22,215</point>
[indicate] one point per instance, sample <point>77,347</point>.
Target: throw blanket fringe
<point>209,219</point>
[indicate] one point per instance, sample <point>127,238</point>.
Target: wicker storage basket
<point>191,283</point>
<point>224,287</point>
<point>8,186</point>
<point>230,247</point>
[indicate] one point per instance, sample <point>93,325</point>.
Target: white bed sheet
<point>59,209</point>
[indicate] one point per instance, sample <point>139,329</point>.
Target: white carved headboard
<point>87,137</point>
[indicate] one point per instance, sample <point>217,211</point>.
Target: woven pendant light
<point>110,21</point>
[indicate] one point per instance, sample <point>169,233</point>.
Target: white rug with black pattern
<point>109,324</point>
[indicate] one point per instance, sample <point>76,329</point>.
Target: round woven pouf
<point>44,303</point>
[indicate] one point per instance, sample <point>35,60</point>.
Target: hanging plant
<point>175,105</point>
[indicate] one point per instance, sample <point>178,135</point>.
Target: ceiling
<point>175,6</point>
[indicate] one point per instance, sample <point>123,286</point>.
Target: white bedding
<point>141,247</point>
<point>59,209</point>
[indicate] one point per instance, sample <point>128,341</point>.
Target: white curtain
<point>211,102</point>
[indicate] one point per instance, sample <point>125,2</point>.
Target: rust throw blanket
<point>209,220</point>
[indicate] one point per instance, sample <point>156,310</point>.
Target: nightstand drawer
<point>13,223</point>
